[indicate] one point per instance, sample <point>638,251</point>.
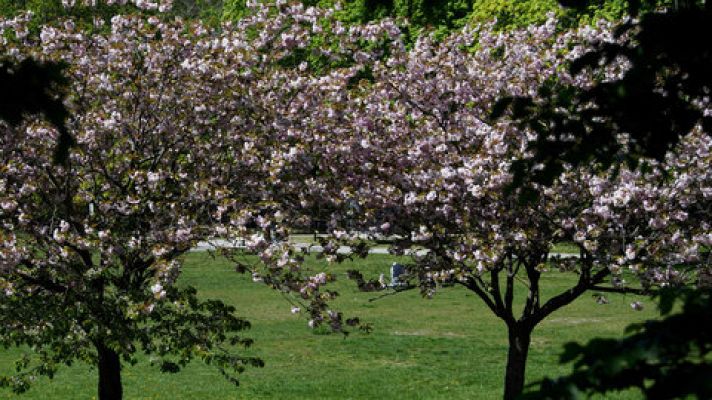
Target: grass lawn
<point>450,347</point>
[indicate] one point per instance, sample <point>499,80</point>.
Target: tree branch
<point>471,284</point>
<point>585,283</point>
<point>43,283</point>
<point>496,291</point>
<point>532,304</point>
<point>509,294</point>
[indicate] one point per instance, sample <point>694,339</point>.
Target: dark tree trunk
<point>109,374</point>
<point>519,340</point>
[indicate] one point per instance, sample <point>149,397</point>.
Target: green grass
<point>565,248</point>
<point>450,347</point>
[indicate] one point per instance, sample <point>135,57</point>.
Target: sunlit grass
<point>448,347</point>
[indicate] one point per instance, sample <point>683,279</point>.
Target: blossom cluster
<point>161,6</point>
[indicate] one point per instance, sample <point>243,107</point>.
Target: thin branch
<point>496,291</point>
<point>509,294</point>
<point>585,283</point>
<point>43,283</point>
<point>532,304</point>
<point>471,284</point>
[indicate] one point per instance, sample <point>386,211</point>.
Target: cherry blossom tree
<point>667,358</point>
<point>90,249</point>
<point>179,139</point>
<point>399,144</point>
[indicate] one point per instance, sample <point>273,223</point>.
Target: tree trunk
<point>519,340</point>
<point>109,374</point>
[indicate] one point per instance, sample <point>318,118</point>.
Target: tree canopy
<point>188,133</point>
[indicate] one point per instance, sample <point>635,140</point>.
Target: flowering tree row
<point>186,134</point>
<point>169,150</point>
<point>178,139</point>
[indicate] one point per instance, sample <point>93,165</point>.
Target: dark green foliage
<point>445,16</point>
<point>432,15</point>
<point>436,15</point>
<point>665,359</point>
<point>519,14</point>
<point>208,11</point>
<point>514,14</point>
<point>32,88</point>
<point>234,10</point>
<point>177,330</point>
<point>47,11</point>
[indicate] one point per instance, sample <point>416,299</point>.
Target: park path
<point>221,243</point>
